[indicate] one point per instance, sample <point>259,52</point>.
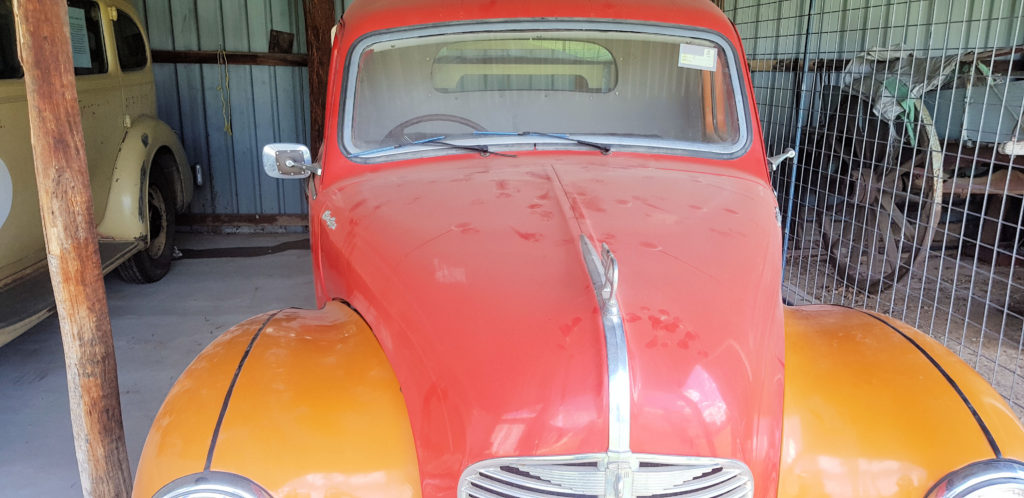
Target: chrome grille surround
<point>618,475</point>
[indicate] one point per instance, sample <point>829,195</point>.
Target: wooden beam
<point>235,58</point>
<point>65,202</point>
<point>834,65</point>
<point>796,65</point>
<point>319,21</point>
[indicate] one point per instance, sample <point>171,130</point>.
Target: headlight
<point>212,485</point>
<point>985,479</point>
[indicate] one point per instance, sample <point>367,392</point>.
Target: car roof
<point>373,15</point>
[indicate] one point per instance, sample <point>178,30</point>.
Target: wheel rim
<point>878,219</point>
<point>157,223</point>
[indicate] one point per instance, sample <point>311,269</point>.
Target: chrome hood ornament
<point>604,275</point>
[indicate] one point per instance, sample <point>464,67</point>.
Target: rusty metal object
<point>882,197</point>
<point>1002,182</point>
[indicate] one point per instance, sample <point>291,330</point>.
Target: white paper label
<point>698,57</point>
<point>79,38</point>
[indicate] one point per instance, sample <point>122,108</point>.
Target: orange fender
<point>868,413</point>
<point>314,410</point>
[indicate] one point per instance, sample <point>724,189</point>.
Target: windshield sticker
<point>6,193</point>
<point>698,57</point>
<point>79,38</point>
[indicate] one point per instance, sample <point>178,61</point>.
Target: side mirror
<point>775,161</point>
<point>288,161</point>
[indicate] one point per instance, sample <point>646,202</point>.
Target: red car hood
<point>471,276</point>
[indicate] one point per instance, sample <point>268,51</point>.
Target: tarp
<point>892,78</point>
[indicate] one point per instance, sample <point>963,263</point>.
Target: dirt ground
<point>972,307</point>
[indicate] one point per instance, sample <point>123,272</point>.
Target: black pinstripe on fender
<point>231,388</point>
<point>949,379</point>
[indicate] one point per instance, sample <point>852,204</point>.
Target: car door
<point>99,93</point>
<point>100,101</point>
<point>20,226</point>
<point>137,85</point>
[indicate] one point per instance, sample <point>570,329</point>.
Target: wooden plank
<point>1002,182</point>
<point>319,15</point>
<point>65,201</point>
<point>232,58</point>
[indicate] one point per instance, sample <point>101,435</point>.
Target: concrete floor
<point>158,329</point>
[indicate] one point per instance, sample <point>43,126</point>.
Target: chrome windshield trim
<point>604,276</point>
<point>720,151</point>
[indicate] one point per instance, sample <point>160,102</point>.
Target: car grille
<point>607,475</point>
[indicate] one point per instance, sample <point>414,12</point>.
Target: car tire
<point>153,262</point>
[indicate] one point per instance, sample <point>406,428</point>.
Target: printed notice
<point>79,38</point>
<point>698,57</point>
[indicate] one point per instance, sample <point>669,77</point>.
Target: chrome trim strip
<point>1000,474</point>
<point>604,275</point>
<point>213,483</point>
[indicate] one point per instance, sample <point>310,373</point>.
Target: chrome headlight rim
<point>978,476</point>
<point>210,484</point>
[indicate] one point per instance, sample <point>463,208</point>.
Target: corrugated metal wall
<point>262,104</point>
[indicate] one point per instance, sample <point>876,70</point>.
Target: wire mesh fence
<point>906,193</point>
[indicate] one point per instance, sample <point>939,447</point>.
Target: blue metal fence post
<point>797,146</point>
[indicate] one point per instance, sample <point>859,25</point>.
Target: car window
<point>671,90</point>
<point>10,67</point>
<point>538,65</point>
<point>87,49</point>
<point>131,47</point>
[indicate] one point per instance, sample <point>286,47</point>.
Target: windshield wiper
<point>482,149</point>
<point>397,146</point>
<point>605,149</point>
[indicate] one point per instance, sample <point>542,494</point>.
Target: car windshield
<point>658,88</point>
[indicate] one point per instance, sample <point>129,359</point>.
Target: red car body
<point>500,382</point>
<point>468,271</point>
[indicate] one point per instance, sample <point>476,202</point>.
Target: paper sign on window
<point>79,38</point>
<point>698,57</point>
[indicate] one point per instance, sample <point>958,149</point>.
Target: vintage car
<point>137,167</point>
<point>546,254</point>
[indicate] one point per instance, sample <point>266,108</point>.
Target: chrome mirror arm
<point>775,161</point>
<point>313,168</point>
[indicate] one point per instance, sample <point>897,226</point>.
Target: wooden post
<point>319,21</point>
<point>65,201</point>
